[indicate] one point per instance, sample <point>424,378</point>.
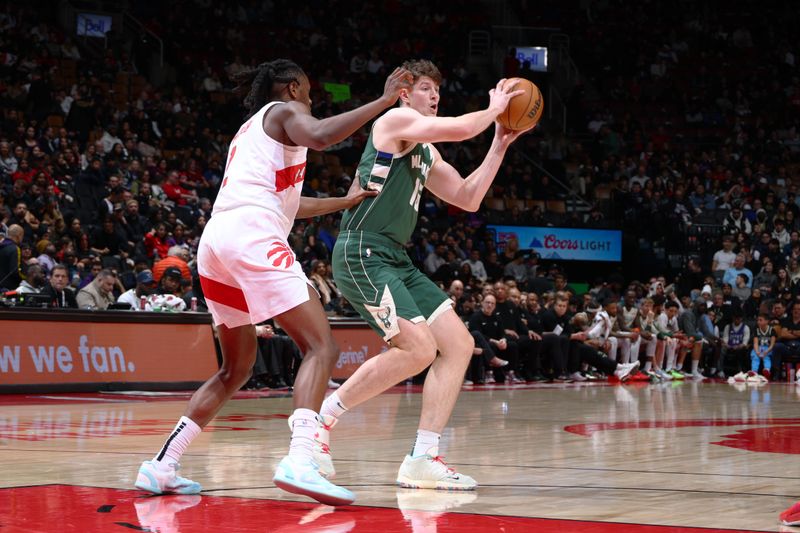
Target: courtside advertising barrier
<point>74,351</point>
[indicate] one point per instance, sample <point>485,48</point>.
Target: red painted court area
<point>67,508</point>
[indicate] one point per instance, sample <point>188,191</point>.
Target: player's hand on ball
<point>399,79</point>
<point>508,136</point>
<point>502,94</point>
<point>355,195</point>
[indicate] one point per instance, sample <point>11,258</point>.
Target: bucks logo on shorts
<point>384,314</point>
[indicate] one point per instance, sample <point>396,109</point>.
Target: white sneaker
<point>755,378</point>
<point>427,472</point>
<point>157,480</point>
<point>697,376</point>
<point>741,377</point>
<point>663,375</point>
<point>577,376</point>
<point>300,475</point>
<point>624,371</point>
<point>468,382</point>
<point>333,385</point>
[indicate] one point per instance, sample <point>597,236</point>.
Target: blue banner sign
<point>564,244</point>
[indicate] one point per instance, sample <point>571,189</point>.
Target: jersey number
<point>416,195</point>
<point>228,164</point>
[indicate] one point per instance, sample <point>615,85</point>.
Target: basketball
<point>524,110</point>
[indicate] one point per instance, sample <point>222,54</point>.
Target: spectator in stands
<point>724,258</point>
<point>435,259</point>
<point>764,340</point>
<point>766,279</point>
<point>594,338</point>
<point>738,268</point>
<point>175,192</point>
<point>735,344</point>
<point>736,222</point>
<point>692,323</point>
<point>788,345</point>
<point>34,280</point>
<point>524,340</point>
<point>476,265</point>
<point>99,293</point>
<point>170,281</point>
<point>47,260</point>
<point>133,225</point>
<point>61,296</point>
<point>330,296</point>
<point>487,322</point>
<point>10,264</point>
<point>516,268</point>
<point>145,286</point>
<point>177,257</point>
<point>157,241</point>
<point>741,290</point>
<point>780,233</point>
<point>494,270</point>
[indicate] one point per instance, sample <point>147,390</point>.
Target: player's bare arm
<point>305,130</point>
<point>313,207</point>
<point>407,125</point>
<point>447,183</point>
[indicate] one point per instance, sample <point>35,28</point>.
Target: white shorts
<point>247,269</point>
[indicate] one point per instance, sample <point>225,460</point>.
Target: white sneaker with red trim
<point>428,472</point>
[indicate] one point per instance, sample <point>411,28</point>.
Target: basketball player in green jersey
<point>377,277</point>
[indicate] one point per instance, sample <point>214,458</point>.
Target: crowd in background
<point>103,199</point>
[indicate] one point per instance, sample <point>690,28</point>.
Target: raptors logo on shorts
<point>280,255</point>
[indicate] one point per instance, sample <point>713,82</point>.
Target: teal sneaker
<point>159,481</point>
<point>300,475</point>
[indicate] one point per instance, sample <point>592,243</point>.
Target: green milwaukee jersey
<point>399,179</point>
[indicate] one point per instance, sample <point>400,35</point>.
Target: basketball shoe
<point>158,481</point>
<point>300,475</point>
<point>428,472</point>
<point>623,371</point>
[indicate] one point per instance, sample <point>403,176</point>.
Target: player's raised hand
<point>502,94</point>
<point>399,79</point>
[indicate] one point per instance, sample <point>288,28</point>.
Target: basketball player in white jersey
<point>249,273</point>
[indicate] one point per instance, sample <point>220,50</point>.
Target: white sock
<point>333,406</point>
<point>648,365</point>
<point>184,433</point>
<point>695,365</point>
<point>670,359</point>
<point>304,428</point>
<point>427,442</point>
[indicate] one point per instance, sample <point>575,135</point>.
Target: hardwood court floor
<point>595,458</point>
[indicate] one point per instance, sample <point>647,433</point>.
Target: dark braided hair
<point>261,81</point>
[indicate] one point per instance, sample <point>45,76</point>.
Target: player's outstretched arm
<point>314,207</point>
<point>445,181</point>
<point>305,130</point>
<point>406,124</point>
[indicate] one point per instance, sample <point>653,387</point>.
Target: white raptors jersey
<point>262,172</point>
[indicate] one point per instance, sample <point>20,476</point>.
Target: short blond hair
<point>423,67</point>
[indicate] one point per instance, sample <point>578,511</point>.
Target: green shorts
<point>377,277</point>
